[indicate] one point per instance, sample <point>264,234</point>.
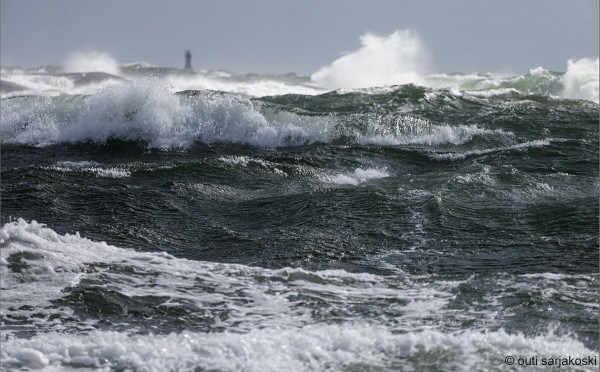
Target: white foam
<point>145,110</point>
<point>310,348</point>
<point>127,111</point>
<point>537,81</point>
<point>463,82</point>
<point>138,65</point>
<point>52,85</point>
<point>413,131</point>
<point>38,265</point>
<point>246,161</point>
<point>91,167</point>
<point>272,322</point>
<point>265,86</point>
<point>399,58</point>
<point>581,79</point>
<point>91,62</point>
<point>50,263</point>
<point>481,176</point>
<point>519,147</point>
<point>491,92</point>
<point>547,190</point>
<point>354,178</point>
<point>236,160</point>
<point>38,83</point>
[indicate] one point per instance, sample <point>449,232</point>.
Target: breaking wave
<point>91,62</point>
<point>400,58</point>
<point>145,111</point>
<point>382,61</point>
<point>581,79</point>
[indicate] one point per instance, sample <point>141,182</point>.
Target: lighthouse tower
<point>188,60</point>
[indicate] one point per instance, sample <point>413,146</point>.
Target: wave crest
<point>146,112</point>
<point>91,62</point>
<point>396,59</point>
<point>581,79</point>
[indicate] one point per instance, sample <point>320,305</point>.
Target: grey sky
<point>300,36</point>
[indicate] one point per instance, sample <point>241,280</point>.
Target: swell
<point>322,206</point>
<point>147,113</point>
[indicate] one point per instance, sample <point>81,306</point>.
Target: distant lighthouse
<point>188,60</point>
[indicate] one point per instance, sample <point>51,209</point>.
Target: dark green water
<point>413,227</point>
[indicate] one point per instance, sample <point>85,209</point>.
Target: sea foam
<point>90,167</point>
<point>258,87</point>
<point>267,326</point>
<point>358,176</point>
<point>309,348</point>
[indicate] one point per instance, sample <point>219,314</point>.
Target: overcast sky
<point>300,36</point>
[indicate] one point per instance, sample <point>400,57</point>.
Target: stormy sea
<point>169,219</point>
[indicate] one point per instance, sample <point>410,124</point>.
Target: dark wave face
<point>404,227</point>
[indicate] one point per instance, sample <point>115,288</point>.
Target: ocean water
<point>159,219</point>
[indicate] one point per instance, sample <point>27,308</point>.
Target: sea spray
<point>91,62</point>
<point>581,79</point>
<point>399,58</point>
